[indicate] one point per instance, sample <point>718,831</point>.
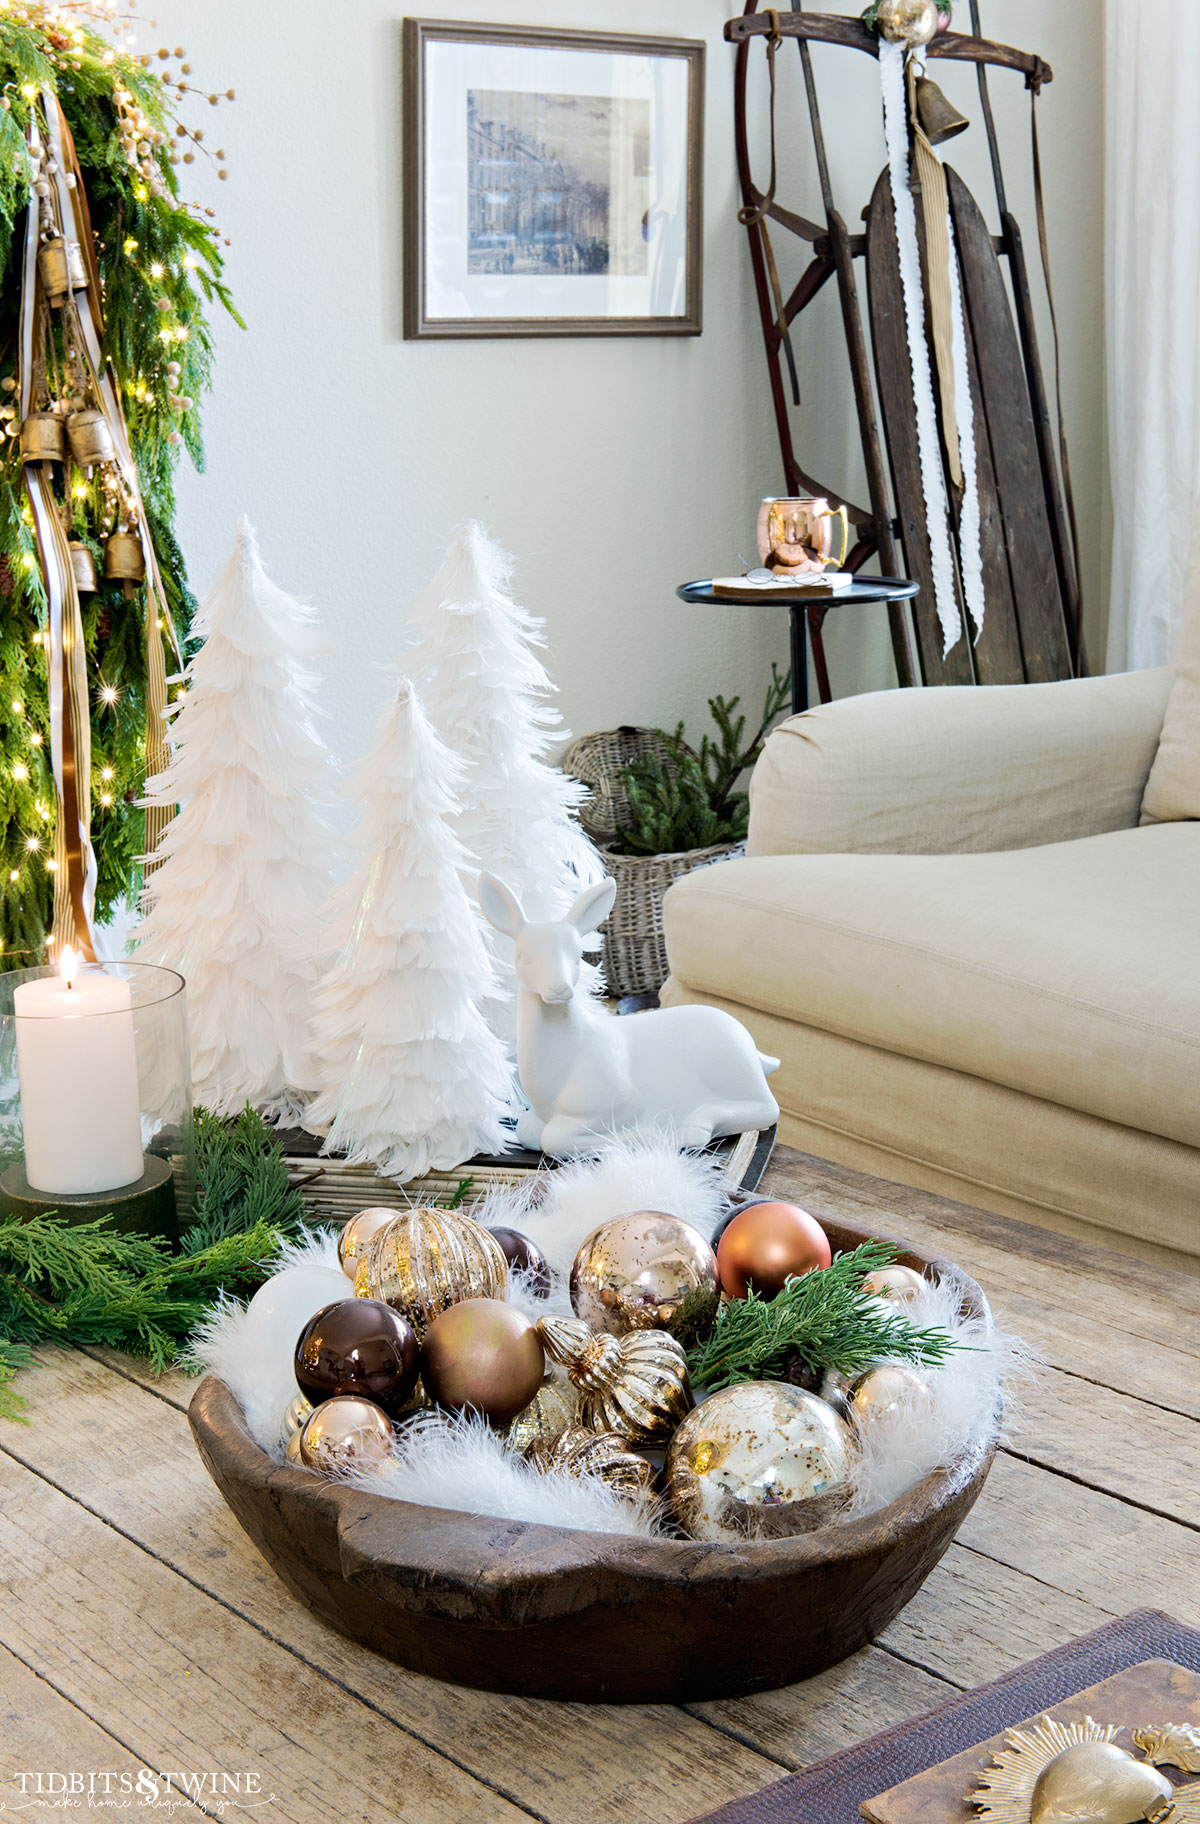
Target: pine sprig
<point>825,1317</point>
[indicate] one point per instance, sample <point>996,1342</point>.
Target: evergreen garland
<point>160,265</point>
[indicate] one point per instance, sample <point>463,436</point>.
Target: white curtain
<point>1152,285</point>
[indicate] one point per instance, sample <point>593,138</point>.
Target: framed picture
<point>552,182</point>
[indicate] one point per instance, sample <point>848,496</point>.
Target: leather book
<point>832,1791</point>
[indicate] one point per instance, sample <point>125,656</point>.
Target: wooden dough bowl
<point>543,1612</point>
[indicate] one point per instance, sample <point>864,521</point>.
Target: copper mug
<point>796,536</point>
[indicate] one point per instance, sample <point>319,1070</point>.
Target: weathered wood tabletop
<point>141,1633</point>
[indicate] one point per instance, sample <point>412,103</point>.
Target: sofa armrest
<point>942,770</point>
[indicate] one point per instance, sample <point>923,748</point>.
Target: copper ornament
<point>899,1284</point>
<point>124,559</point>
<point>426,1260</point>
<point>636,1384</point>
<point>83,566</point>
<point>61,269</point>
<point>43,438</point>
<point>909,22</point>
<point>553,1407</point>
<point>485,1356</point>
<point>358,1233</point>
<point>759,1460</point>
<point>768,1243</point>
<point>343,1431</point>
<point>91,440</point>
<point>636,1272</point>
<point>581,1452</point>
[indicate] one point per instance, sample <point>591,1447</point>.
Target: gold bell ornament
<point>635,1384</point>
<point>124,559</point>
<point>940,119</point>
<point>61,269</point>
<point>43,438</point>
<point>84,567</point>
<point>910,22</point>
<point>581,1452</point>
<point>427,1260</point>
<point>90,439</point>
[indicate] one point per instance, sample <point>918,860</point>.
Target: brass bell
<point>43,438</point>
<point>61,268</point>
<point>90,438</point>
<point>124,559</point>
<point>83,566</point>
<point>939,118</point>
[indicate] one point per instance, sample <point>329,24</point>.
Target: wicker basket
<point>635,949</point>
<point>599,761</point>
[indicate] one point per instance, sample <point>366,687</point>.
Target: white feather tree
<point>235,903</point>
<point>475,661</point>
<point>412,1080</point>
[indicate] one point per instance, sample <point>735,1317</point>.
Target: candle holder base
<point>147,1206</point>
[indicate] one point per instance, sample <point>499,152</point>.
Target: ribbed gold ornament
<point>581,1452</point>
<point>427,1260</point>
<point>297,1416</point>
<point>636,1384</point>
<point>553,1407</point>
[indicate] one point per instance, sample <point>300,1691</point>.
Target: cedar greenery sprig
<point>825,1317</point>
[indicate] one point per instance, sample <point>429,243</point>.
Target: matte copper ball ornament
<point>359,1346</point>
<point>898,1284</point>
<point>768,1244</point>
<point>885,1392</point>
<point>759,1460</point>
<point>485,1355</point>
<point>426,1260</point>
<point>345,1430</point>
<point>636,1272</point>
<point>357,1235</point>
<point>521,1254</point>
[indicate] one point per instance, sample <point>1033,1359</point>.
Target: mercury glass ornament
<point>635,1384</point>
<point>358,1346</point>
<point>426,1260</point>
<point>885,1392</point>
<point>759,1460</point>
<point>345,1430</point>
<point>358,1233</point>
<point>483,1355</point>
<point>553,1407</point>
<point>910,22</point>
<point>636,1272</point>
<point>899,1284</point>
<point>581,1452</point>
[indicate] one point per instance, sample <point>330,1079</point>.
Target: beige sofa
<point>981,974</point>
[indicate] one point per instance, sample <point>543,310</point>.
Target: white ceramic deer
<point>588,1073</point>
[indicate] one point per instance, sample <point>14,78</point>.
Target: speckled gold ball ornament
<point>581,1452</point>
<point>884,1392</point>
<point>910,22</point>
<point>426,1260</point>
<point>899,1284</point>
<point>553,1407</point>
<point>358,1234</point>
<point>636,1384</point>
<point>636,1272</point>
<point>345,1430</point>
<point>485,1356</point>
<point>759,1460</point>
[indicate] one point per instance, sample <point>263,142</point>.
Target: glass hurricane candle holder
<point>96,1095</point>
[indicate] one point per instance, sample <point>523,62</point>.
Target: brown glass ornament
<point>345,1430</point>
<point>359,1346</point>
<point>521,1254</point>
<point>766,1245</point>
<point>427,1260</point>
<point>358,1234</point>
<point>485,1355</point>
<point>638,1271</point>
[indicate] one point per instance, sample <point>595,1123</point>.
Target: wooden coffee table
<point>139,1630</point>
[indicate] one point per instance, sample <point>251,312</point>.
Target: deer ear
<point>592,907</point>
<point>501,907</point>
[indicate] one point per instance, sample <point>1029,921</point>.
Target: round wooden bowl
<point>543,1612</point>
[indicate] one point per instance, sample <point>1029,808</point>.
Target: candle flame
<point>68,965</point>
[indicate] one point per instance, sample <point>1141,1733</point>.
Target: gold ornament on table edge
<point>426,1260</point>
<point>580,1452</point>
<point>553,1407</point>
<point>1044,1773</point>
<point>636,1384</point>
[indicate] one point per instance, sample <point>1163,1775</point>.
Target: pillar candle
<point>77,1064</point>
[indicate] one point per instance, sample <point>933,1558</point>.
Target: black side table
<point>798,601</point>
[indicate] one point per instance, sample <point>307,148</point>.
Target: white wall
<point>613,468</point>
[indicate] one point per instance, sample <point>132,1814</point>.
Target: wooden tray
<point>544,1612</point>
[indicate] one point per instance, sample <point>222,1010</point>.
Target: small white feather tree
<point>475,661</point>
<point>235,903</point>
<point>412,1079</point>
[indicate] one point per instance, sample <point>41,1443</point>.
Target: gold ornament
<point>83,566</point>
<point>884,1392</point>
<point>345,1430</point>
<point>361,1229</point>
<point>553,1407</point>
<point>636,1385</point>
<point>899,1284</point>
<point>291,1450</point>
<point>581,1452</point>
<point>297,1416</point>
<point>910,22</point>
<point>124,559</point>
<point>61,269</point>
<point>43,438</point>
<point>426,1260</point>
<point>1170,1745</point>
<point>90,439</point>
<point>1072,1772</point>
<point>759,1460</point>
<point>636,1272</point>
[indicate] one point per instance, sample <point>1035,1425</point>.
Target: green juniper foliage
<point>687,800</point>
<point>825,1317</point>
<point>159,267</point>
<point>86,1283</point>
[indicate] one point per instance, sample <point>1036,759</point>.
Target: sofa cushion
<point>1068,971</point>
<point>1173,788</point>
